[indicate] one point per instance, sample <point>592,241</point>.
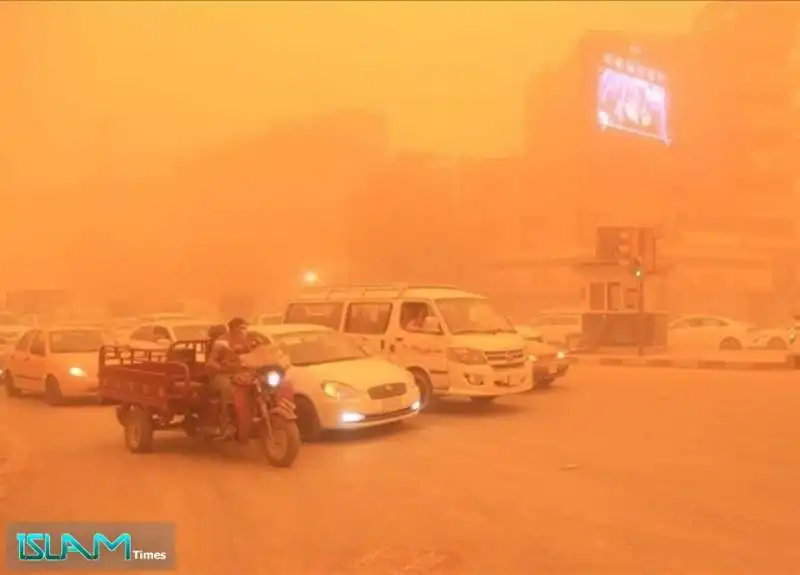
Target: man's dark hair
<point>237,323</point>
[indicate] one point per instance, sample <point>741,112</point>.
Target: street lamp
<point>310,278</point>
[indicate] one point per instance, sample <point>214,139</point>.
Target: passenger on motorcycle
<point>224,366</point>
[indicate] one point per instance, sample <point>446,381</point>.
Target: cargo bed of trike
<point>165,381</point>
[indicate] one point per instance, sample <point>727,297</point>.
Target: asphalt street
<point>614,471</point>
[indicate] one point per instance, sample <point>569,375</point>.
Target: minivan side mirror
<point>431,325</point>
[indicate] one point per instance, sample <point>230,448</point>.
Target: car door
<point>36,369</point>
<point>18,360</point>
<point>687,333</point>
<point>366,324</point>
<point>414,347</point>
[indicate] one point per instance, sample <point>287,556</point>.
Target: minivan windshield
<point>473,315</point>
<point>315,347</point>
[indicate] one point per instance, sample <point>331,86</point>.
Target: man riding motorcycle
<point>224,366</point>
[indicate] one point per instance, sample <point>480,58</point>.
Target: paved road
<point>618,471</point>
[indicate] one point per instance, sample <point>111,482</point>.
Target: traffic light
<point>625,246</point>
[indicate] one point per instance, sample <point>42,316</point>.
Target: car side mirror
<point>431,325</point>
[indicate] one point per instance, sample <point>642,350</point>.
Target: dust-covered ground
<point>614,471</point>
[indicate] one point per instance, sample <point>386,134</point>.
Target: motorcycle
<point>264,410</point>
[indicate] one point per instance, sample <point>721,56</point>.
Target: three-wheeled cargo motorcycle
<point>170,389</point>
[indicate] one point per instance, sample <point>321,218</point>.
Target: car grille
<point>386,390</point>
<point>546,356</point>
<point>510,358</point>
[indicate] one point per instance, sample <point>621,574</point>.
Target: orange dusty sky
<point>151,80</point>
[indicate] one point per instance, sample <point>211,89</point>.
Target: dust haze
<point>185,149</point>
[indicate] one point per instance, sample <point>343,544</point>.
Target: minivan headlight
<point>466,355</point>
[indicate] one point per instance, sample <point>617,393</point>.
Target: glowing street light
<point>310,278</point>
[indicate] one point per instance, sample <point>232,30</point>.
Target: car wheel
<point>307,419</point>
<point>543,381</point>
<point>776,343</point>
<point>11,389</point>
<point>424,385</point>
<point>730,343</point>
<point>52,392</point>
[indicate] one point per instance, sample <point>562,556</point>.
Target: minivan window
<point>326,314</point>
<point>473,315</point>
<point>368,318</point>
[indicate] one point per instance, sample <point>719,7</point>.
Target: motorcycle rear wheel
<point>280,441</point>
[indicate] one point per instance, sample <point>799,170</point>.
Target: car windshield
<point>315,347</point>
<point>192,332</point>
<point>473,315</point>
<point>77,340</point>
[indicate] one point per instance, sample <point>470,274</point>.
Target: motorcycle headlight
<point>273,378</point>
<point>77,372</point>
<point>466,355</point>
<point>337,390</point>
<point>561,355</point>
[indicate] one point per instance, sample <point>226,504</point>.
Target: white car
<point>548,362</point>
<point>708,332</point>
<point>57,362</point>
<point>337,384</point>
<point>559,328</point>
<point>163,333</point>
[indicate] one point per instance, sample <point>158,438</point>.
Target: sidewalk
<point>745,360</point>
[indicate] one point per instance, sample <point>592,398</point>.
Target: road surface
<point>616,471</point>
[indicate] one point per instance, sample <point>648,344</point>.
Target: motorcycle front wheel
<point>280,441</point>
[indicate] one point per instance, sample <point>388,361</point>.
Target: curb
<point>721,364</point>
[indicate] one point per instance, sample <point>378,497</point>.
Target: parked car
<point>57,362</point>
<point>709,332</point>
<point>560,328</point>
<point>548,362</point>
<point>336,382</point>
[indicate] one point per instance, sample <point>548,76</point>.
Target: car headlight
<point>337,390</point>
<point>466,355</point>
<point>561,355</point>
<point>77,372</point>
<point>533,358</point>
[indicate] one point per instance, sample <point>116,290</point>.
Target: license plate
<point>392,404</point>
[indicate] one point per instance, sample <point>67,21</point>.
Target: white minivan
<point>453,342</point>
